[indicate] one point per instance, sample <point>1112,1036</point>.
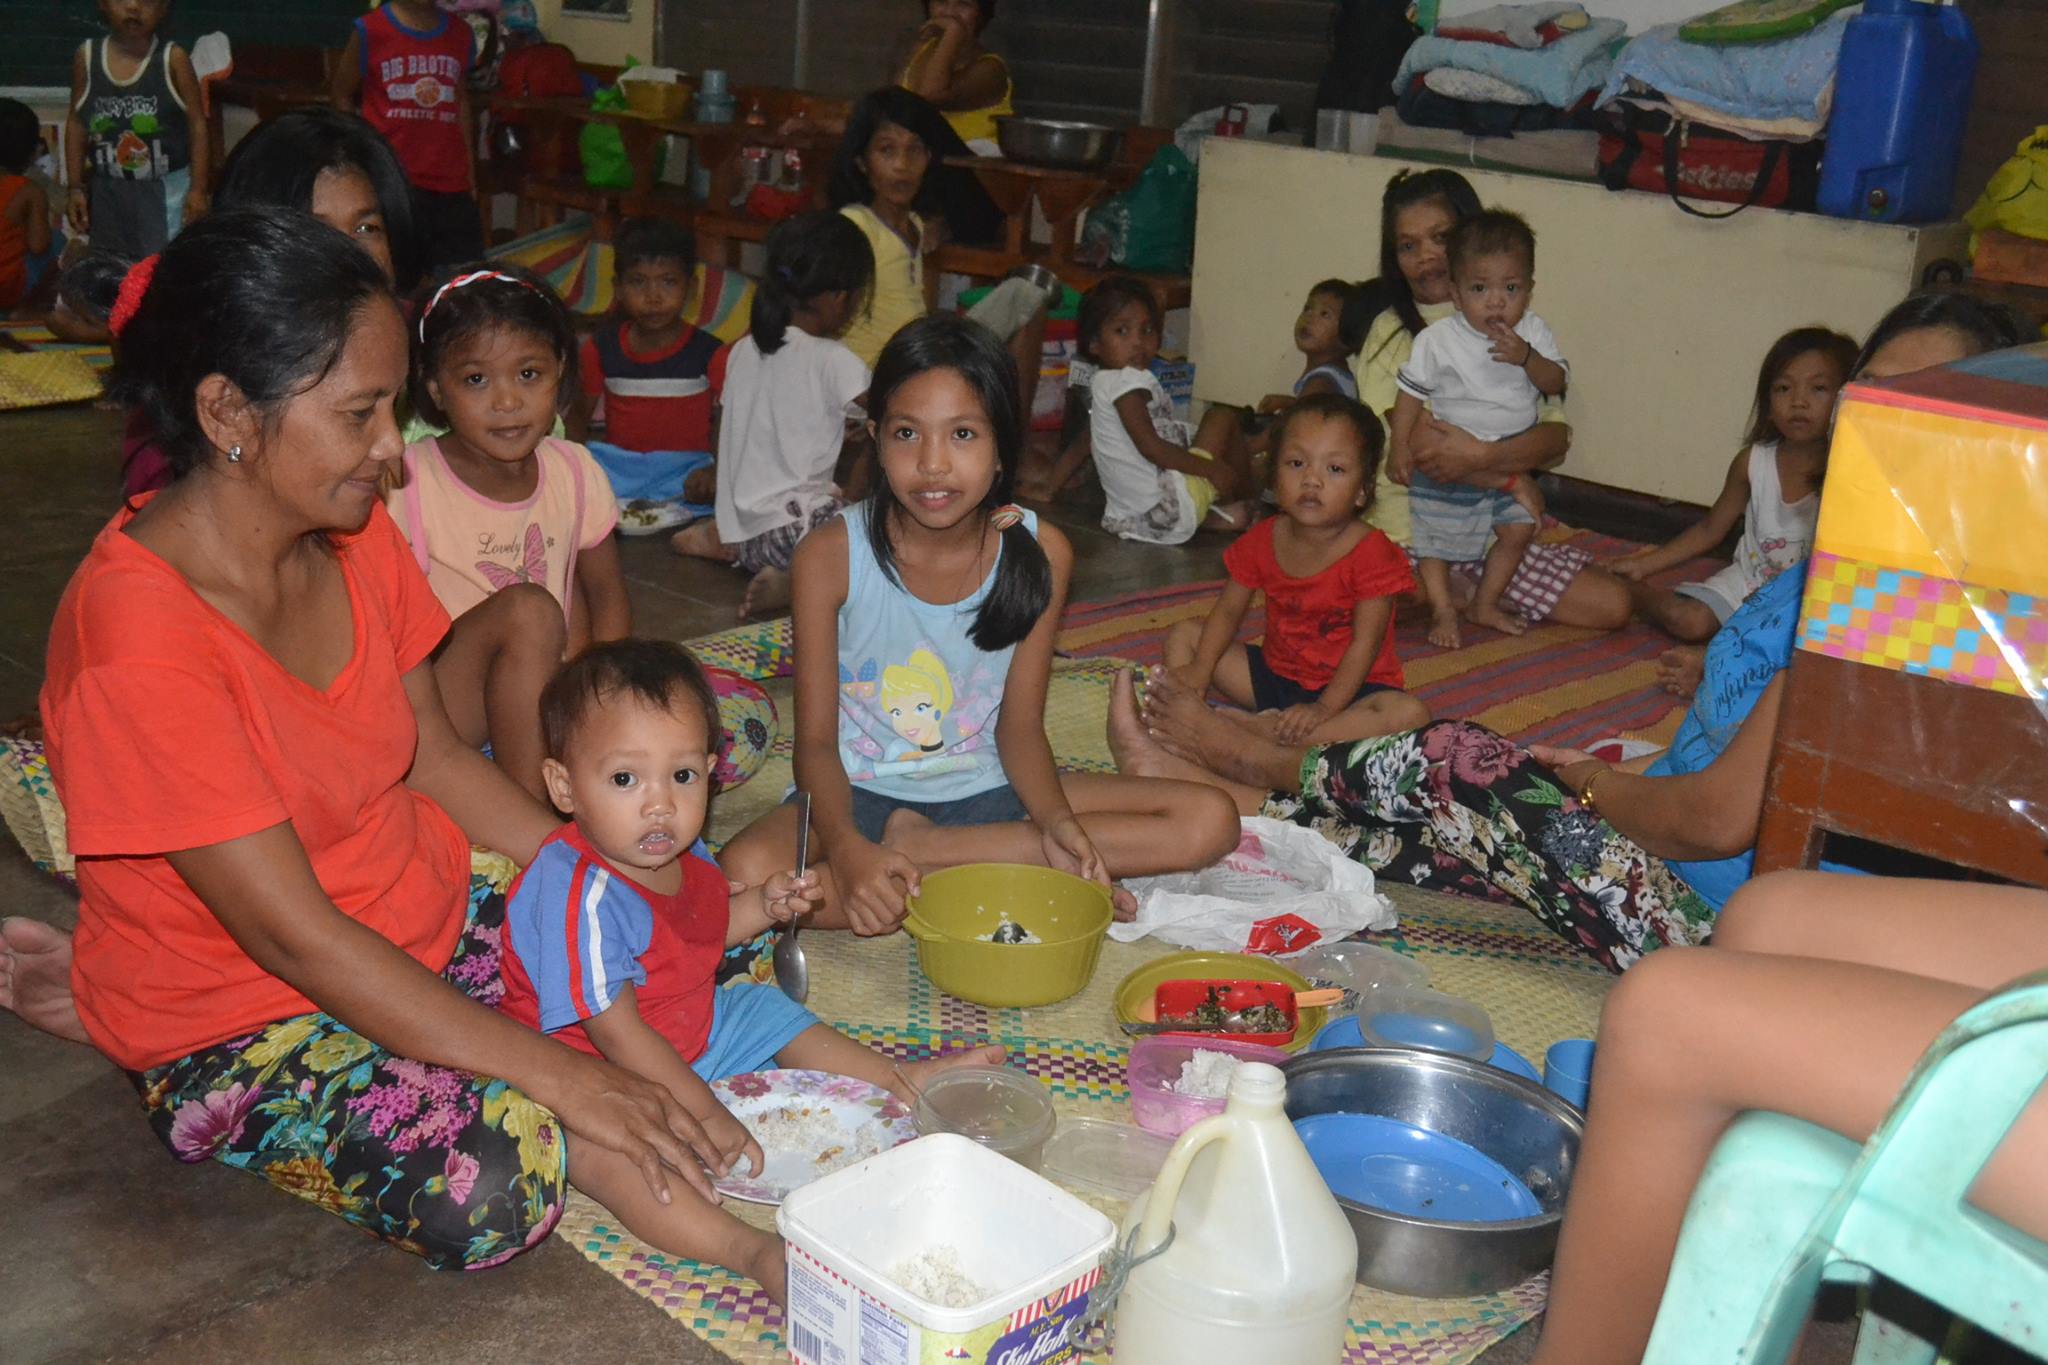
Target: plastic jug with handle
<point>1902,98</point>
<point>1261,1263</point>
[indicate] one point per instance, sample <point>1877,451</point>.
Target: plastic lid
<point>1116,1160</point>
<point>1358,968</point>
<point>994,1105</point>
<point>1403,1016</point>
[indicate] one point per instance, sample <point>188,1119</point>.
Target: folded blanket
<point>1454,84</point>
<point>1756,129</point>
<point>1557,75</point>
<point>1793,78</point>
<point>1422,107</point>
<point>1535,25</point>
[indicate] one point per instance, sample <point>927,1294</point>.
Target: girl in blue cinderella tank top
<point>924,622</point>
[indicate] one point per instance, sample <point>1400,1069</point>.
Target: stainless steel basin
<point>1515,1121</point>
<point>1056,142</point>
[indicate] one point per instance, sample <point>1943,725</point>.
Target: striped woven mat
<point>1551,685</point>
<point>1537,988</point>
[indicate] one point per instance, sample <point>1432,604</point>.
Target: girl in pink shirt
<point>512,527</point>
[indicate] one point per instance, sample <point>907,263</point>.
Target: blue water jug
<point>1902,93</point>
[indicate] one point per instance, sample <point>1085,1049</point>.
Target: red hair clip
<point>134,285</point>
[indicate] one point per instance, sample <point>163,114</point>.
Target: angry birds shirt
<point>135,129</point>
<point>918,699</point>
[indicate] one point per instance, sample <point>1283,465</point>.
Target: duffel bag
<point>1647,149</point>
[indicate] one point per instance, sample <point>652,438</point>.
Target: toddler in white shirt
<point>1484,369</point>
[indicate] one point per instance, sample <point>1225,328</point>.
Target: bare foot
<point>1443,628</point>
<point>1680,670</point>
<point>764,1259</point>
<point>35,977</point>
<point>1493,618</point>
<point>767,591</point>
<point>1181,722</point>
<point>1136,752</point>
<point>699,540</point>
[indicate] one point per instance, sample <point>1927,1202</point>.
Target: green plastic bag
<point>1159,216</point>
<point>603,148</point>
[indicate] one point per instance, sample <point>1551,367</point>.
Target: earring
<point>234,454</point>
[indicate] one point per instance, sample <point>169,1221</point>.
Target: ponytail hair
<point>941,341</point>
<point>817,253</point>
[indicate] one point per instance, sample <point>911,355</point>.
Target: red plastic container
<point>1180,998</point>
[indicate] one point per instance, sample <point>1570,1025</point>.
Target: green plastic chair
<point>1783,1205</point>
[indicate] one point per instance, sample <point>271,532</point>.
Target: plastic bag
<point>2015,199</point>
<point>1151,225</point>
<point>602,147</point>
<point>1282,891</point>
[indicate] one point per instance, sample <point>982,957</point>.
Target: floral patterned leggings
<point>463,1170</point>
<point>1455,807</point>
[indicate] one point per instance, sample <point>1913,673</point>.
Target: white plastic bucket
<point>1033,1247</point>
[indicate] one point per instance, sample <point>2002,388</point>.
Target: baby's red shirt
<point>1308,620</point>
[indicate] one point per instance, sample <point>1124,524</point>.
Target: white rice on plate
<point>815,1132</point>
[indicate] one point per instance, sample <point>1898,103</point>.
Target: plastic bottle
<point>1263,1263</point>
<point>1902,95</point>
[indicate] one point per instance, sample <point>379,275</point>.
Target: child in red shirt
<point>24,209</point>
<point>1326,672</point>
<point>410,62</point>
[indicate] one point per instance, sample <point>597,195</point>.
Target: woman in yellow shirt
<point>948,66</point>
<point>884,180</point>
<point>1557,583</point>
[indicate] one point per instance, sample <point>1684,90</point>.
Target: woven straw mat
<point>1537,988</point>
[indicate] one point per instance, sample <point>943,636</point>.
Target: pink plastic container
<point>1155,1066</point>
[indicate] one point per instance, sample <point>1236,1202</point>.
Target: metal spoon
<point>792,974</point>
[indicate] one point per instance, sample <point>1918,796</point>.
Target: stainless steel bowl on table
<point>1059,143</point>
<point>1516,1122</point>
<point>1041,279</point>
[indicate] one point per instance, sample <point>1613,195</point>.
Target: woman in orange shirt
<point>279,934</point>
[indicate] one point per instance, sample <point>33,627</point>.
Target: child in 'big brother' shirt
<point>410,64</point>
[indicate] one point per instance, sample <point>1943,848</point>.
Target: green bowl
<point>954,907</point>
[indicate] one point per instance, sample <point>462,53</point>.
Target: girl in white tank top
<point>1773,486</point>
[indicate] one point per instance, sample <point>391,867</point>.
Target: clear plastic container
<point>1003,1110</point>
<point>1113,1160</point>
<point>1409,1016</point>
<point>1154,1068</point>
<point>1357,969</point>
